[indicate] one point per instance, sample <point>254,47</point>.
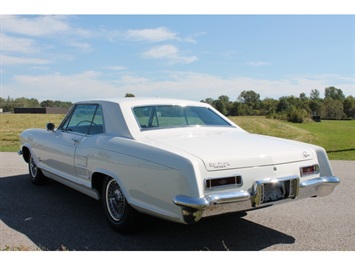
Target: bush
<point>296,115</point>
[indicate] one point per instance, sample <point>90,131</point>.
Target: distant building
<point>40,110</point>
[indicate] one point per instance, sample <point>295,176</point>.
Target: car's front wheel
<point>36,175</point>
<point>120,215</point>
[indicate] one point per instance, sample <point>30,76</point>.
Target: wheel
<point>36,175</point>
<point>120,215</point>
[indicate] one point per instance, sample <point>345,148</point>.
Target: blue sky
<point>75,57</point>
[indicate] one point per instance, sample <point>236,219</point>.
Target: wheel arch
<point>98,178</point>
<point>25,153</point>
<point>98,181</point>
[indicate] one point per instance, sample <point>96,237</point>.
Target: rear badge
<point>305,154</point>
<point>219,165</point>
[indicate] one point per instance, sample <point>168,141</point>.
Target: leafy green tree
<point>250,98</point>
<point>334,93</point>
<point>128,95</point>
<point>332,109</point>
<point>268,106</point>
<point>314,95</point>
<point>209,101</point>
<point>349,107</point>
<point>296,115</point>
<point>284,104</point>
<point>47,103</point>
<point>222,104</point>
<point>303,97</point>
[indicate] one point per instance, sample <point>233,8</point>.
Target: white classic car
<point>174,159</point>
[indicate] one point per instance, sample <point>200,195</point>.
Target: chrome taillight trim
<point>238,182</point>
<point>315,167</point>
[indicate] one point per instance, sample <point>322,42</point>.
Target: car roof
<point>139,101</point>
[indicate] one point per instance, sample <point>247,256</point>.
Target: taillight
<point>215,183</point>
<point>309,170</point>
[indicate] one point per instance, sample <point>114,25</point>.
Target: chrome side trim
<point>85,190</point>
<point>193,209</point>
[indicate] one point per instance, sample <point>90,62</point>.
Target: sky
<point>86,56</point>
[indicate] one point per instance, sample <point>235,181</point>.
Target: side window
<point>85,119</point>
<point>97,126</point>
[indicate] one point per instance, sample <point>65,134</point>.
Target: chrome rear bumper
<point>193,209</point>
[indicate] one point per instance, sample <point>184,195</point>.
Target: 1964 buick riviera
<point>174,159</point>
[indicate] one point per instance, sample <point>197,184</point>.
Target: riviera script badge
<point>219,165</point>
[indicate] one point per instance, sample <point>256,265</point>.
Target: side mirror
<point>50,127</point>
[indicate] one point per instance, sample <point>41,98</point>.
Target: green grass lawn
<point>11,125</point>
<point>337,137</point>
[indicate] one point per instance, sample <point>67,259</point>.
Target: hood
<point>231,149</point>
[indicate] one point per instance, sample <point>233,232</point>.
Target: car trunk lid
<point>230,149</point>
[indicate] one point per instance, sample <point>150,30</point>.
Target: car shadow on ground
<point>55,217</point>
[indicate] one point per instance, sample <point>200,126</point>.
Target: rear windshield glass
<point>165,116</point>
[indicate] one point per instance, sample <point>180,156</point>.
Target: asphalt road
<point>54,217</point>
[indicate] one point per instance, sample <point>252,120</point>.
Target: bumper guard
<point>264,193</point>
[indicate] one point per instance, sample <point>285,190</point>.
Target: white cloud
<point>161,51</point>
<point>131,79</point>
<point>82,46</point>
<point>33,30</point>
<point>187,85</point>
<point>40,26</point>
<point>115,68</point>
<point>170,53</point>
<point>17,60</point>
<point>86,85</point>
<point>151,35</point>
<point>258,63</point>
<point>15,44</point>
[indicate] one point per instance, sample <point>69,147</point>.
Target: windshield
<point>165,116</point>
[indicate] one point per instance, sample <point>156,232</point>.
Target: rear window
<point>167,116</point>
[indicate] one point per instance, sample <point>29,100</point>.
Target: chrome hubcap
<point>33,168</point>
<point>115,200</point>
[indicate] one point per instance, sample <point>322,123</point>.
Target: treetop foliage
<point>334,105</point>
<point>9,104</point>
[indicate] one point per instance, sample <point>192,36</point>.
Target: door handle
<point>76,141</point>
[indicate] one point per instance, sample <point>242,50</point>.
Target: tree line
<point>9,104</point>
<point>334,105</point>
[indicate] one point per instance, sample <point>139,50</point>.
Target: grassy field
<point>337,137</point>
<point>11,125</point>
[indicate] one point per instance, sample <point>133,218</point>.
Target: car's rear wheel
<point>36,175</point>
<point>120,215</point>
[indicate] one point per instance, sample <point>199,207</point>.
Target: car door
<point>60,152</point>
<point>88,147</point>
